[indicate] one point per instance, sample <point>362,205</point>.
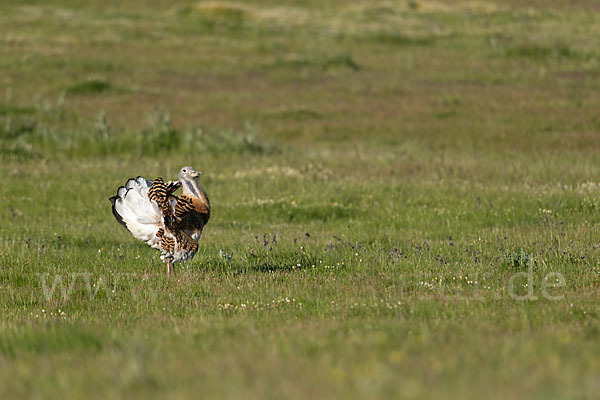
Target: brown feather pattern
<point>158,192</point>
<point>189,214</point>
<point>183,207</point>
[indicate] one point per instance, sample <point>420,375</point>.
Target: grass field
<point>405,199</point>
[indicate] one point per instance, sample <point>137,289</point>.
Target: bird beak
<point>196,174</point>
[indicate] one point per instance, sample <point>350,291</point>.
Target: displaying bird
<point>153,214</point>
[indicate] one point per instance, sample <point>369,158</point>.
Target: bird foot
<point>170,268</point>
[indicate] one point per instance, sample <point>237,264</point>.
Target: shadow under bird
<point>153,214</point>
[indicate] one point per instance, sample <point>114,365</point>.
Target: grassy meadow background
<point>379,172</point>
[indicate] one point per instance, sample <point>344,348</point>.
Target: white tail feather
<point>140,215</point>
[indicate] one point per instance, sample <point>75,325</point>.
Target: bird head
<point>188,173</point>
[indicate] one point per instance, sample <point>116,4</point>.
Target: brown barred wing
<point>172,186</point>
<point>186,243</point>
<point>178,244</point>
<point>158,192</point>
<point>183,207</point>
<point>191,210</point>
<point>167,243</point>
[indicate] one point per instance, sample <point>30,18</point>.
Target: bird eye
<point>184,170</point>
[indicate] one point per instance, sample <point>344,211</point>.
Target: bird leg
<point>169,265</point>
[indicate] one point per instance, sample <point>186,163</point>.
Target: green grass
<point>89,87</point>
<point>405,199</point>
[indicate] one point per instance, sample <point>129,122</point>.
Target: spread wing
<point>172,186</point>
<point>189,210</point>
<point>177,243</point>
<point>158,193</point>
<point>191,214</point>
<point>183,207</point>
<point>162,194</point>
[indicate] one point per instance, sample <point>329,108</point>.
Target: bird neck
<point>192,188</point>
